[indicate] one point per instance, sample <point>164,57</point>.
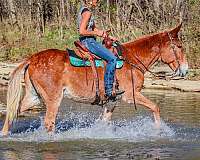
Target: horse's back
<point>48,58</point>
<point>49,54</point>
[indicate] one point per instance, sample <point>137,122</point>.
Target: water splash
<point>87,126</point>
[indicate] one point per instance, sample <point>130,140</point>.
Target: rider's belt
<point>81,38</point>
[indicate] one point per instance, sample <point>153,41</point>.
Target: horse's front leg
<point>107,114</point>
<point>140,99</point>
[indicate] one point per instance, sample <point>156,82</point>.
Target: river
<point>130,136</point>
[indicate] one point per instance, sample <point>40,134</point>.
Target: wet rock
<point>33,110</point>
<point>181,84</point>
<point>5,70</point>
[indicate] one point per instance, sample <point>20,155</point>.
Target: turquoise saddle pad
<point>78,62</point>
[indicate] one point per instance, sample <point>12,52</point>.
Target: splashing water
<point>87,126</point>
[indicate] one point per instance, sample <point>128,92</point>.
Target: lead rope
<point>119,48</point>
<point>86,75</point>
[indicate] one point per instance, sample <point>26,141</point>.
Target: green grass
<point>17,45</point>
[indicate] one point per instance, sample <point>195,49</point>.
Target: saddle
<point>82,52</point>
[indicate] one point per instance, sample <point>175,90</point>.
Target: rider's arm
<point>105,34</point>
<point>83,26</point>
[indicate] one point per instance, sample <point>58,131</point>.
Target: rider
<point>88,33</point>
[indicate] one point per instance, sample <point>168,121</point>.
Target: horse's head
<point>172,52</point>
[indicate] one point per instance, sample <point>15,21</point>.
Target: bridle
<point>121,49</point>
<point>174,52</point>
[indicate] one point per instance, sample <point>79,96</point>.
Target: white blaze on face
<point>183,69</point>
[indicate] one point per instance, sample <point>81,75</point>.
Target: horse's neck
<point>152,56</point>
<point>144,58</point>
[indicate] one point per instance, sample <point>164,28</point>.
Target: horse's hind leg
<point>52,99</point>
<point>52,110</point>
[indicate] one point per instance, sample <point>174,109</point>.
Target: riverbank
<point>190,83</point>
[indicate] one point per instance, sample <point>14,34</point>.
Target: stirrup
<point>107,99</point>
<point>119,92</point>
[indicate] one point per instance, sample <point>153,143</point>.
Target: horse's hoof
<point>96,101</point>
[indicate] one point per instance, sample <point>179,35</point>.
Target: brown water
<point>79,136</point>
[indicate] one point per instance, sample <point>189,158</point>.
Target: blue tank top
<point>91,22</point>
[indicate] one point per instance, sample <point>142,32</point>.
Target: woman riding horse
<point>88,33</point>
<point>49,74</point>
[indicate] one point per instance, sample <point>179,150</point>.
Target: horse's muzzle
<point>182,70</point>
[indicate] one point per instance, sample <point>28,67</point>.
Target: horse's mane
<point>143,40</point>
<point>151,39</point>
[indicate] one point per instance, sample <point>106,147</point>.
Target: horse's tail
<point>14,94</point>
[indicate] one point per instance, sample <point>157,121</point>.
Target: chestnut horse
<point>48,73</point>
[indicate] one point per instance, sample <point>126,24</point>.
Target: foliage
<point>30,26</point>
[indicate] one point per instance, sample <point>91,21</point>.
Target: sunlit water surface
<point>131,135</point>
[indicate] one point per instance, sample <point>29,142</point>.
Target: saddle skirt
<point>77,61</point>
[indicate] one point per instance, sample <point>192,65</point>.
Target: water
<point>131,135</point>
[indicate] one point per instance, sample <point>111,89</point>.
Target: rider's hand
<point>105,34</point>
<point>101,33</point>
<point>113,38</point>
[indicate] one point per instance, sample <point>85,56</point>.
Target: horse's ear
<point>174,31</point>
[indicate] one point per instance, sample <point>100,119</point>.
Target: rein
<point>120,47</point>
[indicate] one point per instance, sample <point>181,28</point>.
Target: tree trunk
<point>12,13</point>
<point>118,3</point>
<point>108,20</point>
<point>61,12</point>
<point>1,11</point>
<point>38,19</point>
<point>68,19</point>
<point>29,18</point>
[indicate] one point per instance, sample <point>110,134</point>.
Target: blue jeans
<point>98,49</point>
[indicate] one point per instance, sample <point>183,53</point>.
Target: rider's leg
<point>99,50</point>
